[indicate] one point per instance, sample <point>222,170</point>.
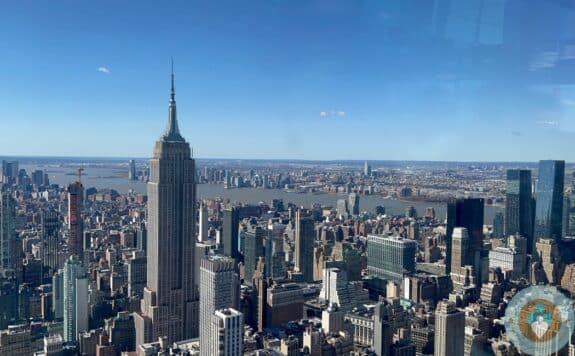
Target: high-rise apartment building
<point>449,330</point>
<point>170,304</point>
<point>75,223</point>
<point>549,200</point>
<point>219,289</point>
<point>304,243</point>
<point>519,205</point>
<point>75,299</point>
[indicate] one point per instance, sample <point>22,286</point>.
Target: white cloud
<point>547,123</point>
<point>103,70</point>
<point>332,113</point>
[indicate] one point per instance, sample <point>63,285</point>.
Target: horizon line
<point>274,159</point>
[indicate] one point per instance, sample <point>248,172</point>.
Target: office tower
<point>512,260</point>
<point>449,329</point>
<point>519,205</point>
<point>353,204</point>
<point>460,252</point>
<point>254,242</point>
<point>366,169</point>
<point>38,177</point>
<point>58,295</point>
<point>170,304</point>
<point>226,334</point>
<point>75,223</point>
<point>132,172</point>
<point>304,242</point>
<point>549,197</point>
<point>467,213</point>
<point>498,225</point>
<point>9,172</point>
<point>9,249</point>
<point>571,230</point>
<point>260,285</point>
<point>275,266</point>
<point>219,286</point>
<point>382,329</point>
<point>230,226</point>
<point>203,224</point>
<point>50,220</point>
<point>75,299</point>
<point>390,257</point>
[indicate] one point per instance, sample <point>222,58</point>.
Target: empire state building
<point>170,306</point>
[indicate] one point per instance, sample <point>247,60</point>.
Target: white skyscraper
<point>226,333</point>
<point>219,289</point>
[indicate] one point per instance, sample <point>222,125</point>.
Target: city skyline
<point>344,68</point>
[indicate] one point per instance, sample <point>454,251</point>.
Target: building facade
<point>170,304</point>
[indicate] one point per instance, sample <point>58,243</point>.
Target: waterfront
<point>116,177</point>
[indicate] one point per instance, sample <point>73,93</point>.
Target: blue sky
<point>318,79</point>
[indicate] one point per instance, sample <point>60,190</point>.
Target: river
<point>116,178</point>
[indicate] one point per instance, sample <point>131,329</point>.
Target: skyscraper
<point>132,172</point>
<point>75,299</point>
<point>9,251</point>
<point>75,223</point>
<point>254,240</point>
<point>219,285</point>
<point>230,226</point>
<point>226,335</point>
<point>353,203</point>
<point>390,257</point>
<point>549,197</point>
<point>203,226</point>
<point>449,329</point>
<point>498,225</point>
<point>170,304</point>
<point>382,329</point>
<point>304,243</point>
<point>571,213</point>
<point>50,241</point>
<point>467,213</point>
<point>519,205</point>
<point>460,253</point>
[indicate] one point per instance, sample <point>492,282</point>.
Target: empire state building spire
<point>172,133</point>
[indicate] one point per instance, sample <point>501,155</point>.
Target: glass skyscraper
<point>519,205</point>
<point>549,200</point>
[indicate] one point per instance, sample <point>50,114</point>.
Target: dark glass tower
<point>230,226</point>
<point>519,205</point>
<point>549,197</point>
<point>467,213</point>
<point>170,306</point>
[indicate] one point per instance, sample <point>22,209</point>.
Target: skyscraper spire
<point>172,131</point>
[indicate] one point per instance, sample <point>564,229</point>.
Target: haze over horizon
<point>316,80</point>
